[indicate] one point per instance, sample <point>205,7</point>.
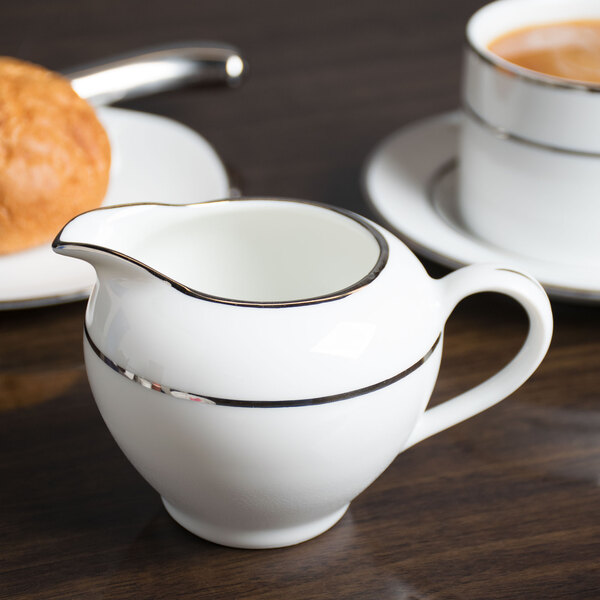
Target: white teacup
<point>529,156</point>
<point>262,361</point>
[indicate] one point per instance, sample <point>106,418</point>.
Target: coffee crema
<point>568,50</point>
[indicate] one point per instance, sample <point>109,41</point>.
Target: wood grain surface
<point>504,506</point>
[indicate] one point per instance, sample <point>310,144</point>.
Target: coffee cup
<point>529,150</point>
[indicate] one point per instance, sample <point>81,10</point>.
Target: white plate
<point>154,159</point>
<point>410,182</point>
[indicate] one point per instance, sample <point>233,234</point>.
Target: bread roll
<point>54,155</point>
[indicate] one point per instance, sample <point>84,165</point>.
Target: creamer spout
<point>86,237</point>
<point>104,237</point>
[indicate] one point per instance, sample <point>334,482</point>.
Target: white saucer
<point>154,159</point>
<point>410,182</point>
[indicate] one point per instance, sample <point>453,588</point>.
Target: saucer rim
<point>555,291</point>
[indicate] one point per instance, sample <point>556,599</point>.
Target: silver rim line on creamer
<point>158,387</point>
<point>336,295</point>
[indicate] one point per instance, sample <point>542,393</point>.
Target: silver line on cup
<point>504,134</point>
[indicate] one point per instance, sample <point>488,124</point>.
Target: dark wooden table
<point>506,505</point>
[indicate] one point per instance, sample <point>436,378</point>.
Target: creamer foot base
<point>273,538</point>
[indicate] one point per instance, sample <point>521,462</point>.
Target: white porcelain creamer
<point>262,361</point>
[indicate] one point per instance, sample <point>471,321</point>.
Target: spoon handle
<point>157,69</point>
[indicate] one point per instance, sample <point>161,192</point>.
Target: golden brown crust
<point>54,155</point>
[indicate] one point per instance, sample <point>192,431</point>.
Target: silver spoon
<point>157,69</point>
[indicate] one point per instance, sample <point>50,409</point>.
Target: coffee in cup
<point>568,49</point>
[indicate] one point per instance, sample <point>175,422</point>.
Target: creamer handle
<point>530,294</point>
